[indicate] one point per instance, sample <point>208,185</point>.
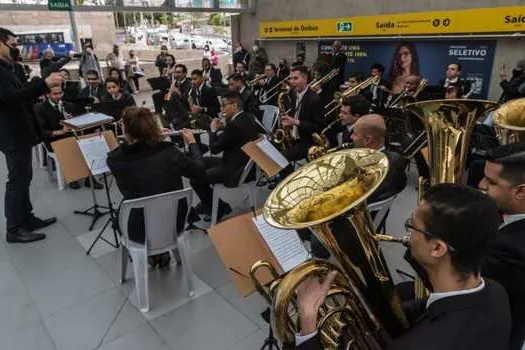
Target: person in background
<point>134,70</point>
<point>212,75</point>
<point>258,59</point>
<point>269,83</point>
<point>123,83</point>
<point>70,88</point>
<point>89,62</point>
<point>214,57</point>
<point>115,60</point>
<point>299,60</point>
<point>94,89</point>
<point>160,61</point>
<point>115,93</point>
<point>515,87</point>
<point>202,97</point>
<point>240,54</point>
<point>283,70</point>
<point>50,63</point>
<point>146,156</point>
<point>451,232</point>
<point>177,104</point>
<point>352,108</point>
<point>19,133</point>
<point>381,90</point>
<point>339,60</point>
<point>167,73</point>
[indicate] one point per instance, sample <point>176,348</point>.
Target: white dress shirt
<point>436,296</point>
<point>509,219</point>
<point>300,95</point>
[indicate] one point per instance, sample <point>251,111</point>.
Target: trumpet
<point>274,91</point>
<point>256,80</point>
<point>338,100</point>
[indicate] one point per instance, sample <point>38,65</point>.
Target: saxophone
<point>283,136</point>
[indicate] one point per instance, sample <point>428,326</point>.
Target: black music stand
<point>94,211</point>
<point>270,341</point>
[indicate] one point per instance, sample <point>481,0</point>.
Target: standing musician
<point>250,104</point>
<point>304,115</point>
<point>168,72</point>
<point>269,84</point>
<point>202,98</point>
<point>176,100</point>
<point>339,60</point>
<point>455,86</point>
<point>212,75</point>
<point>381,90</point>
<point>504,181</point>
<point>451,231</point>
<point>240,128</point>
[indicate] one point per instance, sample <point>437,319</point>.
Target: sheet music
<point>95,151</point>
<point>89,119</point>
<point>272,152</point>
<point>285,245</point>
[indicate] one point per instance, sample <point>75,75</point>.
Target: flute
<point>179,132</point>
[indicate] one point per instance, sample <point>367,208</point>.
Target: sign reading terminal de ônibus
<point>59,5</point>
<point>482,20</point>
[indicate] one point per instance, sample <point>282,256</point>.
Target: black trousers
<point>298,151</point>
<point>158,101</point>
<point>215,173</point>
<point>17,202</point>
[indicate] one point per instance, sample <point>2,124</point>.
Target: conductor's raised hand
<point>54,80</point>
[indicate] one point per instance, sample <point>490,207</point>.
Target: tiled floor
<point>53,296</point>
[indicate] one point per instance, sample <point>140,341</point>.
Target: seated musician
<point>202,97</point>
<point>240,68</point>
<point>268,86</point>
<point>116,94</point>
<point>352,108</point>
<point>146,165</point>
<point>326,90</point>
<point>305,114</point>
<point>212,75</point>
<point>123,83</point>
<point>240,128</point>
<point>451,231</point>
<point>168,74</point>
<point>407,95</point>
<point>250,104</point>
<point>94,90</point>
<point>176,104</point>
<point>504,181</point>
<point>70,88</point>
<point>381,90</point>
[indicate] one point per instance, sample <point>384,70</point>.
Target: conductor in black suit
<point>250,104</point>
<point>451,232</point>
<point>240,129</point>
<point>19,132</point>
<point>504,181</point>
<point>339,60</point>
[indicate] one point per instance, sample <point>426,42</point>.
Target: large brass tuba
<point>509,122</point>
<point>328,196</point>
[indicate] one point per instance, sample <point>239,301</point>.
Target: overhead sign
<point>59,5</point>
<point>484,20</point>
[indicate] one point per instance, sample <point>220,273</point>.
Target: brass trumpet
<point>336,102</point>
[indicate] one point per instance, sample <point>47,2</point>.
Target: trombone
<point>274,91</point>
<point>337,101</point>
<point>256,80</point>
<point>314,84</point>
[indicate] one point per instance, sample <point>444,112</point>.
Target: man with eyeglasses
<point>19,132</point>
<point>504,181</point>
<point>450,233</point>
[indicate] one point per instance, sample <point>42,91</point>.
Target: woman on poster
<point>404,64</point>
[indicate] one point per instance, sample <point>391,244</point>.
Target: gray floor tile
<point>9,277</point>
<point>206,323</point>
<point>209,267</point>
<point>251,306</point>
<point>128,319</point>
<point>253,341</point>
<point>142,338</point>
<point>82,327</point>
<point>32,337</point>
<point>17,310</point>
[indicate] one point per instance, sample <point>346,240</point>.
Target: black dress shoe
<point>34,223</point>
<point>74,185</point>
<point>23,236</point>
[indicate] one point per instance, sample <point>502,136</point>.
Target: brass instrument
<point>338,101</point>
<point>256,80</point>
<point>322,144</point>
<point>422,85</point>
<point>509,122</point>
<point>328,196</point>
<point>274,91</point>
<point>198,120</point>
<point>283,135</point>
<point>317,83</point>
<point>400,101</point>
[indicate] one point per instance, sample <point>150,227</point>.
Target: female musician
<point>146,166</point>
<point>115,93</point>
<point>404,64</point>
<point>124,85</point>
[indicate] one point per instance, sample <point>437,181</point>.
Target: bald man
<point>338,61</point>
<point>370,132</point>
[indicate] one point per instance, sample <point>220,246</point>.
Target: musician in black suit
<point>50,114</point>
<point>240,128</point>
<point>381,90</point>
<point>240,68</point>
<point>250,104</point>
<point>305,114</point>
<point>455,86</point>
<point>268,85</point>
<point>177,106</point>
<point>168,75</point>
<point>352,108</point>
<point>339,60</point>
<point>115,93</point>
<point>213,75</point>
<point>504,181</point>
<point>451,232</point>
<point>94,90</point>
<point>203,98</point>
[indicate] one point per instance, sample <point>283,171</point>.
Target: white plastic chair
<point>381,209</point>
<point>40,155</point>
<point>160,222</point>
<point>52,159</point>
<point>219,190</point>
<point>270,116</point>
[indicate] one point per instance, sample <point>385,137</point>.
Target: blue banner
<point>35,51</point>
<point>425,58</point>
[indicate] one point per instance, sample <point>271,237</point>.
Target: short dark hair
<point>274,68</point>
<point>358,104</point>
<point>184,68</point>
<point>113,69</point>
<point>237,77</point>
<point>466,219</point>
<point>241,62</point>
<point>92,72</point>
<point>197,72</point>
<point>206,59</point>
<point>378,66</point>
<point>303,70</point>
<point>111,80</point>
<point>357,75</point>
<point>163,48</point>
<point>172,57</point>
<point>64,70</point>
<point>233,96</point>
<point>5,34</point>
<point>457,64</point>
<point>512,158</point>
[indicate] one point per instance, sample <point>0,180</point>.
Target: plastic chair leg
<point>123,263</point>
<point>60,178</point>
<point>182,242</point>
<point>140,269</point>
<point>215,206</point>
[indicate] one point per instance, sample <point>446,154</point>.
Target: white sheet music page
<point>285,245</point>
<point>95,151</point>
<point>272,152</point>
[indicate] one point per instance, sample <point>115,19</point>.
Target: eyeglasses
<point>410,227</point>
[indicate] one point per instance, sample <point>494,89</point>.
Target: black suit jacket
<point>141,170</point>
<point>215,76</point>
<point>207,98</point>
<point>270,84</point>
<point>396,178</point>
<point>505,264</point>
<point>177,109</point>
<point>100,92</point>
<point>250,103</point>
<point>18,125</point>
<point>478,321</point>
<point>49,119</point>
<point>311,116</point>
<point>339,61</point>
<point>241,130</point>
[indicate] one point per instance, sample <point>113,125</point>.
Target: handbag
<point>137,71</point>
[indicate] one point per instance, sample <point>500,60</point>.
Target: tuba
<point>509,122</point>
<point>328,196</point>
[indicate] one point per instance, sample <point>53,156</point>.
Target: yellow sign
<point>484,20</point>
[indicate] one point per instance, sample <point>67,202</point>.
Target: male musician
<point>352,108</point>
<point>339,60</point>
<point>381,90</point>
<point>49,115</point>
<point>455,86</point>
<point>249,101</point>
<point>240,68</point>
<point>451,231</point>
<point>240,128</point>
<point>504,181</point>
<point>213,75</point>
<point>515,87</point>
<point>177,105</point>
<point>167,73</point>
<point>327,90</point>
<point>18,134</point>
<point>407,95</point>
<point>201,96</point>
<point>94,90</point>
<point>269,85</point>
<point>304,114</point>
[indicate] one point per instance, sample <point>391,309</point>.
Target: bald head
<point>369,131</point>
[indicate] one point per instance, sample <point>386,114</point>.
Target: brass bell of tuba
<point>509,122</point>
<point>328,196</point>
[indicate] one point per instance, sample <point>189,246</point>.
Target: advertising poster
<point>427,59</point>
